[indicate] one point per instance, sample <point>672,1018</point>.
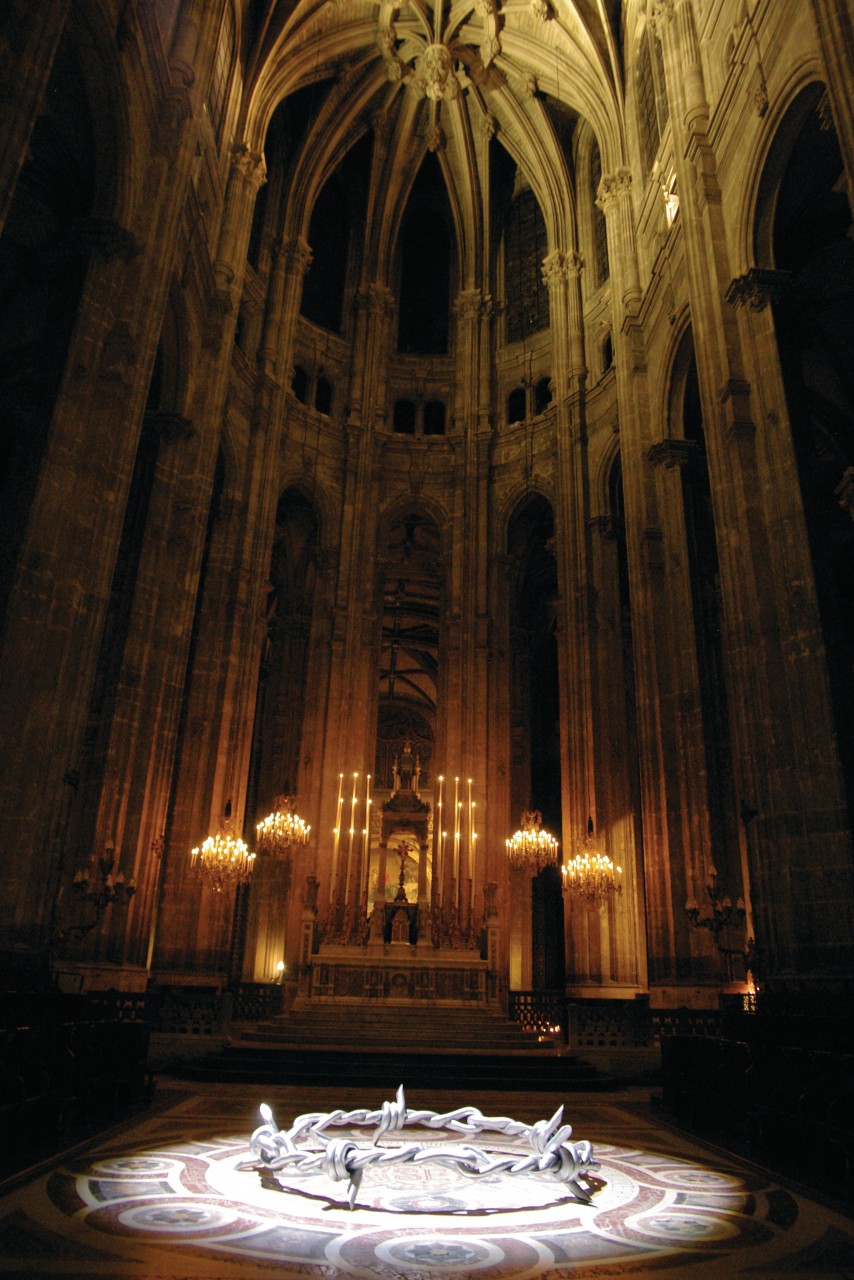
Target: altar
<point>392,975</point>
<point>424,939</point>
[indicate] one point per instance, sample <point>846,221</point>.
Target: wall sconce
<point>721,914</point>
<point>99,888</point>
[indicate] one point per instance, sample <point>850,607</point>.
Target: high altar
<point>401,920</point>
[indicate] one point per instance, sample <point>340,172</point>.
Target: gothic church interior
<point>410,405</point>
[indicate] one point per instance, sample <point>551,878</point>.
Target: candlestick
<point>337,833</point>
<point>457,806</point>
<point>366,846</point>
<point>350,844</point>
<point>437,833</point>
<point>444,838</point>
<point>471,830</point>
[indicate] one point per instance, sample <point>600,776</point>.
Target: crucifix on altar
<point>403,851</point>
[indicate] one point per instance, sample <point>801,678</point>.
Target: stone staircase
<point>382,1046</point>
<point>395,1027</point>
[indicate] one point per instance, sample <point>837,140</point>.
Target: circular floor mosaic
<point>416,1222</point>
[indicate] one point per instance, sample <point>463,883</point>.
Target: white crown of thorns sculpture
<point>553,1157</point>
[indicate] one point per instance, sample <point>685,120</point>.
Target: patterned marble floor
<point>169,1198</point>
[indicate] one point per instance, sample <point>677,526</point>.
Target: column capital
<point>608,527</point>
<point>661,13</point>
<point>376,299</point>
<point>555,268</point>
<point>540,9</point>
<point>575,263</point>
<point>560,266</point>
<point>472,304</point>
<point>757,287</point>
<point>487,125</point>
<point>249,164</point>
<point>672,452</point>
<point>526,86</point>
<point>296,254</point>
<point>614,187</point>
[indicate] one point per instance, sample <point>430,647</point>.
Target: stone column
<point>423,897</point>
<point>310,774</point>
<point>615,748</point>
<point>268,429</point>
<point>615,200</point>
<point>59,601</point>
<point>501,808</point>
<point>645,563</point>
<point>801,885</point>
<point>682,742</point>
<point>59,604</point>
<point>350,706</point>
<point>378,914</point>
<point>246,174</point>
<point>561,273</point>
<point>306,945</point>
<point>493,931</point>
<point>835,28</point>
<point>374,314</point>
<point>787,776</point>
<point>214,763</point>
<point>140,752</point>
<point>249,572</point>
<point>194,927</point>
<point>29,36</point>
<point>466,716</point>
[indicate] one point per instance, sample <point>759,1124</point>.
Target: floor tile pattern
<point>177,1195</point>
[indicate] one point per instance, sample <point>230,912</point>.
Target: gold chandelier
<point>591,875</point>
<point>531,848</point>
<point>282,828</point>
<point>223,859</point>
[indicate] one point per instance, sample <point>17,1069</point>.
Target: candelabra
<point>281,829</point>
<point>719,916</point>
<point>95,885</point>
<point>590,875</point>
<point>223,859</point>
<point>532,847</point>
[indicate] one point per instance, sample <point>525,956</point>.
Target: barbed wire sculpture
<point>553,1157</point>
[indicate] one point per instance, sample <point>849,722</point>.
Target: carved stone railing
<point>257,1001</point>
<point>541,1011</point>
<point>607,1024</point>
<point>380,979</point>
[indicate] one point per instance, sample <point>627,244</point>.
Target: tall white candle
<point>437,831</point>
<point>457,807</point>
<point>337,836</point>
<point>366,844</point>
<point>350,844</point>
<point>444,838</point>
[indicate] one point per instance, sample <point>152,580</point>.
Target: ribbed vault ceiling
<point>444,76</point>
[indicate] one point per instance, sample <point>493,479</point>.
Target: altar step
<point>385,1071</point>
<point>391,1028</point>
<point>380,1048</point>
